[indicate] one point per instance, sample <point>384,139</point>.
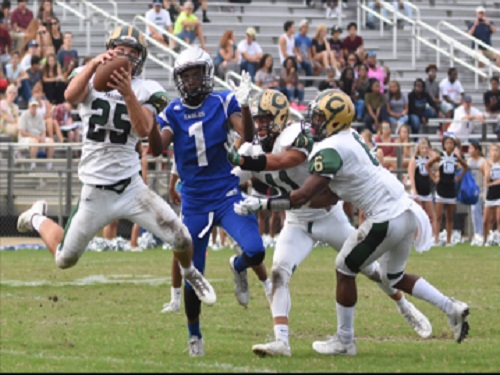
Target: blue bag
<point>468,191</point>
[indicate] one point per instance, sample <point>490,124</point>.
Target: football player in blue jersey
<point>198,124</point>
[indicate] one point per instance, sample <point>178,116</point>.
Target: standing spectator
<point>9,112</point>
<point>32,132</point>
<point>228,56</point>
<point>303,52</point>
<point>362,86</point>
<point>492,98</point>
<point>19,21</point>
<point>446,193</point>
<point>161,18</point>
<point>55,33</point>
<point>30,77</point>
<point>330,81</point>
<point>420,182</point>
<point>476,163</point>
<point>286,42</point>
<point>321,52</point>
<point>45,12</point>
<point>451,93</point>
<point>53,80</point>
<point>67,57</point>
<point>45,109</point>
<point>397,105</point>
<point>381,73</point>
<point>264,78</point>
<point>384,135</point>
<point>404,137</point>
<point>482,29</point>
<point>421,106</point>
<point>353,43</point>
<point>188,27</point>
<point>432,85</point>
<point>289,80</point>
<point>5,43</point>
<point>33,49</point>
<point>465,118</point>
<point>250,52</point>
<point>492,181</point>
<point>375,106</point>
<point>337,46</point>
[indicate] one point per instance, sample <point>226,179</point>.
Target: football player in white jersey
<point>109,168</point>
<point>342,162</point>
<point>287,146</point>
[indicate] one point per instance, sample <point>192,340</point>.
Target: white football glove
<point>250,206</point>
<point>242,91</point>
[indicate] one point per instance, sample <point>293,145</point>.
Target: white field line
<point>194,363</point>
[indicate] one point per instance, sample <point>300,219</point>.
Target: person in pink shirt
<point>381,73</point>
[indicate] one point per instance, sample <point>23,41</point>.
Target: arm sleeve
<point>326,162</point>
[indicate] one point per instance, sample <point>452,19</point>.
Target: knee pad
<point>182,240</point>
<point>280,276</point>
<point>342,267</point>
<point>372,272</point>
<point>254,260</point>
<point>192,304</point>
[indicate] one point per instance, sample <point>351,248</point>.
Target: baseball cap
<point>480,8</point>
<point>467,99</point>
<point>157,2</point>
<point>371,53</point>
<point>336,29</point>
<point>251,31</point>
<point>33,102</point>
<point>32,43</point>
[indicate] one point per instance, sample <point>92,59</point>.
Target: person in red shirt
<point>5,42</point>
<point>385,136</point>
<point>353,43</point>
<point>19,21</point>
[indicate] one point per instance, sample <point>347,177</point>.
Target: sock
<point>204,14</point>
<point>345,323</point>
<point>175,294</point>
<point>266,283</point>
<point>423,290</point>
<point>239,264</point>
<point>36,221</point>
<point>194,329</point>
<point>402,303</point>
<point>187,271</point>
<point>281,332</point>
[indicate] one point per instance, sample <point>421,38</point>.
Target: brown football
<point>104,71</point>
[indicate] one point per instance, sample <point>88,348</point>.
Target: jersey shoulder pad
<point>152,93</point>
<point>326,161</point>
<point>75,72</point>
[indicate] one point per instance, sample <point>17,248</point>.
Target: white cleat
<point>240,284</point>
<point>272,349</point>
<point>333,346</point>
<point>201,287</point>
<point>417,320</point>
<point>458,320</point>
<point>172,306</point>
<point>195,347</point>
<point>24,221</point>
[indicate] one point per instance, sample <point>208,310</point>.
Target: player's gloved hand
<point>250,206</point>
<point>304,140</point>
<point>232,154</point>
<point>242,92</point>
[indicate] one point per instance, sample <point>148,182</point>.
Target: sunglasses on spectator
<point>54,23</point>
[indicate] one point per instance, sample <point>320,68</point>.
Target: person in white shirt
<point>161,18</point>
<point>287,41</point>
<point>451,92</point>
<point>250,52</point>
<point>465,118</point>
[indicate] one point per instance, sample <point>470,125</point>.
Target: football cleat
<point>417,320</point>
<point>195,347</point>
<point>172,306</point>
<point>458,320</point>
<point>272,349</point>
<point>333,346</point>
<point>201,287</point>
<point>240,284</point>
<point>24,221</point>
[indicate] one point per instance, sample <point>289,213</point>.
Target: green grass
<point>117,326</point>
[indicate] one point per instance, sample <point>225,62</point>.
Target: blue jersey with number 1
<point>199,134</point>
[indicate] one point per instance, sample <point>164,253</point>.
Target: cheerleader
<point>492,184</point>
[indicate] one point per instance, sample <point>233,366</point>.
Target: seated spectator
<point>492,98</point>
<point>228,56</point>
<point>482,29</point>
<point>337,46</point>
<point>161,18</point>
<point>188,27</point>
<point>30,77</point>
<point>399,5</point>
<point>451,93</point>
<point>5,42</point>
<point>45,12</point>
<point>403,134</point>
<point>32,133</point>
<point>432,85</point>
<point>384,135</point>
<point>367,136</point>
<point>330,81</point>
<point>264,78</point>
<point>45,109</point>
<point>465,118</point>
<point>381,73</point>
<point>302,51</point>
<point>421,106</point>
<point>19,21</point>
<point>250,52</point>
<point>33,49</point>
<point>286,42</point>
<point>203,4</point>
<point>353,62</point>
<point>353,43</point>
<point>289,80</point>
<point>397,105</point>
<point>346,83</point>
<point>361,85</point>
<point>9,112</point>
<point>375,107</point>
<point>497,132</point>
<point>53,80</point>
<point>62,117</point>
<point>67,57</point>
<point>3,84</point>
<point>5,13</point>
<point>13,71</point>
<point>321,52</point>
<point>56,35</point>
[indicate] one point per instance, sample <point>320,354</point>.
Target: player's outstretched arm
<point>243,124</point>
<point>268,162</point>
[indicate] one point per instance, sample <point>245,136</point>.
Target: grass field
<point>103,315</point>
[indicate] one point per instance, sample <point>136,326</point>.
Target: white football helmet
<point>194,87</point>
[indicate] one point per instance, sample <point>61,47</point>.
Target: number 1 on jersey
<point>196,130</point>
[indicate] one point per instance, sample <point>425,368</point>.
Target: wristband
<point>281,203</point>
<point>256,164</point>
